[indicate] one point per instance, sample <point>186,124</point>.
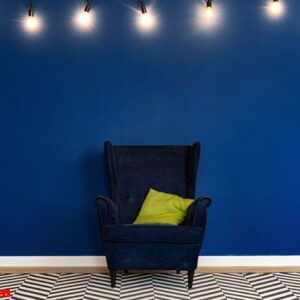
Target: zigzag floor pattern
<point>229,286</point>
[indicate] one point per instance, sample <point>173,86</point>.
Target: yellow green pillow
<point>163,208</point>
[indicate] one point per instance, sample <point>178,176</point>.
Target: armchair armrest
<point>107,211</point>
<point>197,212</point>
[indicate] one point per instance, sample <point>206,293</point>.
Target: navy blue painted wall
<point>63,94</point>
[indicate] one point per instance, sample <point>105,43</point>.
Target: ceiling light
<point>275,9</point>
<point>208,16</point>
<point>32,23</point>
<point>84,20</point>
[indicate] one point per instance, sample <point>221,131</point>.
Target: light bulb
<point>275,9</point>
<point>208,17</point>
<point>146,21</point>
<point>84,20</point>
<point>32,24</point>
<point>209,12</point>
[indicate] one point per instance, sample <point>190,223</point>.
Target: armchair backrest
<point>133,170</point>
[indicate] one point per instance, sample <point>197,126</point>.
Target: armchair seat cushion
<point>134,233</point>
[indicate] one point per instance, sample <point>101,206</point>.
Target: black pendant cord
<point>88,6</point>
<point>31,10</point>
<point>143,7</point>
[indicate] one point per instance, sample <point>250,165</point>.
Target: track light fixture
<point>209,3</point>
<point>143,7</point>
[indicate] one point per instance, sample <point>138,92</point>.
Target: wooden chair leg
<point>113,276</point>
<point>190,278</point>
<point>178,272</point>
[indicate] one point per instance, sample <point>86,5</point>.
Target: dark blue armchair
<point>132,171</point>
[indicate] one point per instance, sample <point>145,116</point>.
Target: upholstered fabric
<point>133,170</point>
<point>107,210</point>
<point>197,212</point>
<point>152,234</point>
<point>151,256</point>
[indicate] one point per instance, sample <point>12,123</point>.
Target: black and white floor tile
<point>162,286</point>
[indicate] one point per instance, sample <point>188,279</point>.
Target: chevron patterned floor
<point>230,286</point>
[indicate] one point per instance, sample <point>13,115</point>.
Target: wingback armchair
<point>132,171</point>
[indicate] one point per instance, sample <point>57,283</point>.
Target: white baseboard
<point>52,261</point>
<point>100,261</point>
<point>250,261</point>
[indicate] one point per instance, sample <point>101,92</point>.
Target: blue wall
<point>63,94</point>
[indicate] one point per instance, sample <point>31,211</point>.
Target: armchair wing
<point>107,211</point>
